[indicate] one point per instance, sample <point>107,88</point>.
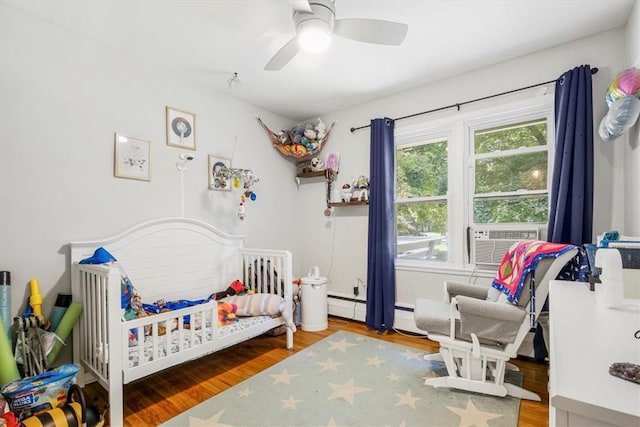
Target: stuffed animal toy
<point>362,185</point>
<point>227,313</point>
<point>236,287</point>
<point>321,129</point>
<point>346,193</point>
<point>317,164</point>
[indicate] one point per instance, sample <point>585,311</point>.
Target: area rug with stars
<point>349,379</point>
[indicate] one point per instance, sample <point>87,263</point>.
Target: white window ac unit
<point>488,245</point>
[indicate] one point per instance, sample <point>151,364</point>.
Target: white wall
<point>632,141</point>
<point>338,245</point>
<point>63,98</point>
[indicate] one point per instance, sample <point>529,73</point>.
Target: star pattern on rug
<point>341,345</point>
<point>472,416</point>
<point>290,403</point>
<point>245,393</point>
<point>346,391</point>
<point>214,421</point>
<point>374,361</point>
<point>407,399</point>
<point>309,353</point>
<point>283,377</point>
<point>393,377</point>
<point>410,354</point>
<point>330,365</point>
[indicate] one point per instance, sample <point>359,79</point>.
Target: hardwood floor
<point>156,399</point>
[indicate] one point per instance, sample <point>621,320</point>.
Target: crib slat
<point>102,326</point>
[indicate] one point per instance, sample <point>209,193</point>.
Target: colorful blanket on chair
<point>519,260</point>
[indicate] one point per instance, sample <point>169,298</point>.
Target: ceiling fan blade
<point>283,56</point>
<point>300,5</point>
<point>371,30</point>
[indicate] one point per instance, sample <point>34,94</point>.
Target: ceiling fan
<point>315,26</point>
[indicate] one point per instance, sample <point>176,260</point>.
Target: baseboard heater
<point>363,302</point>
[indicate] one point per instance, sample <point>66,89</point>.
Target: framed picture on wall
<point>181,128</point>
<point>219,178</point>
<point>132,158</point>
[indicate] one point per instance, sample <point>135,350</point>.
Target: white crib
<point>172,259</point>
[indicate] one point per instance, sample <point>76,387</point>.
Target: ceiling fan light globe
<point>314,37</point>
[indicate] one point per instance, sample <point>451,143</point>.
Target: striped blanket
<point>519,260</point>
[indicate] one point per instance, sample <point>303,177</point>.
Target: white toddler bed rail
<point>170,259</point>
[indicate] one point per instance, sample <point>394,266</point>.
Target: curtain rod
<point>459,104</point>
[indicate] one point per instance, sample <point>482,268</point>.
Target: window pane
<point>516,209</point>
<point>422,230</point>
<point>528,134</point>
<point>421,171</point>
<point>511,173</point>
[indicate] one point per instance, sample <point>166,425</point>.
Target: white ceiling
<point>207,41</point>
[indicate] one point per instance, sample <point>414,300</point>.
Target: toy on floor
<point>30,347</point>
<point>46,391</point>
<point>72,413</point>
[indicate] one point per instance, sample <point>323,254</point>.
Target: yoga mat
<point>8,367</point>
<point>5,302</point>
<point>64,329</point>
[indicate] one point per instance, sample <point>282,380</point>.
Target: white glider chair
<point>479,330</point>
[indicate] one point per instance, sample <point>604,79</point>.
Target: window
<point>481,169</point>
<point>510,173</point>
<point>421,200</point>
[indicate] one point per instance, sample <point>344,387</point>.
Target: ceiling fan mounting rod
<point>322,15</point>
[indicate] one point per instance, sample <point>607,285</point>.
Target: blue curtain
<point>381,279</point>
<point>571,203</point>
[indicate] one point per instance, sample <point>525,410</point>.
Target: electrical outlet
<point>356,287</point>
<point>356,291</point>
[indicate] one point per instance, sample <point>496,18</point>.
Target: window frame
<point>458,130</point>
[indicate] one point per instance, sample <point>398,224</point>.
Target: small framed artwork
<point>132,158</point>
<point>181,129</point>
<point>219,177</point>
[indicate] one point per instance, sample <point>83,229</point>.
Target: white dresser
<point>586,339</point>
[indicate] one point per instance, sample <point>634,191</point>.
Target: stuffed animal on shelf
<point>362,186</point>
<point>346,193</point>
<point>317,164</point>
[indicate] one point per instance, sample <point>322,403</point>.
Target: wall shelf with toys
<point>350,203</point>
<point>355,193</point>
<point>312,174</point>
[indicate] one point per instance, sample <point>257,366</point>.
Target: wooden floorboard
<point>159,397</point>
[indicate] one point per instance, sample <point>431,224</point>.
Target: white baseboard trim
<point>356,309</point>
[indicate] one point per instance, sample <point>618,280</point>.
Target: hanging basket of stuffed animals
<point>301,142</point>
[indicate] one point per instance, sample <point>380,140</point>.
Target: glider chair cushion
<point>481,328</point>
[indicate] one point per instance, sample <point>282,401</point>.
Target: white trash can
<point>314,301</point>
